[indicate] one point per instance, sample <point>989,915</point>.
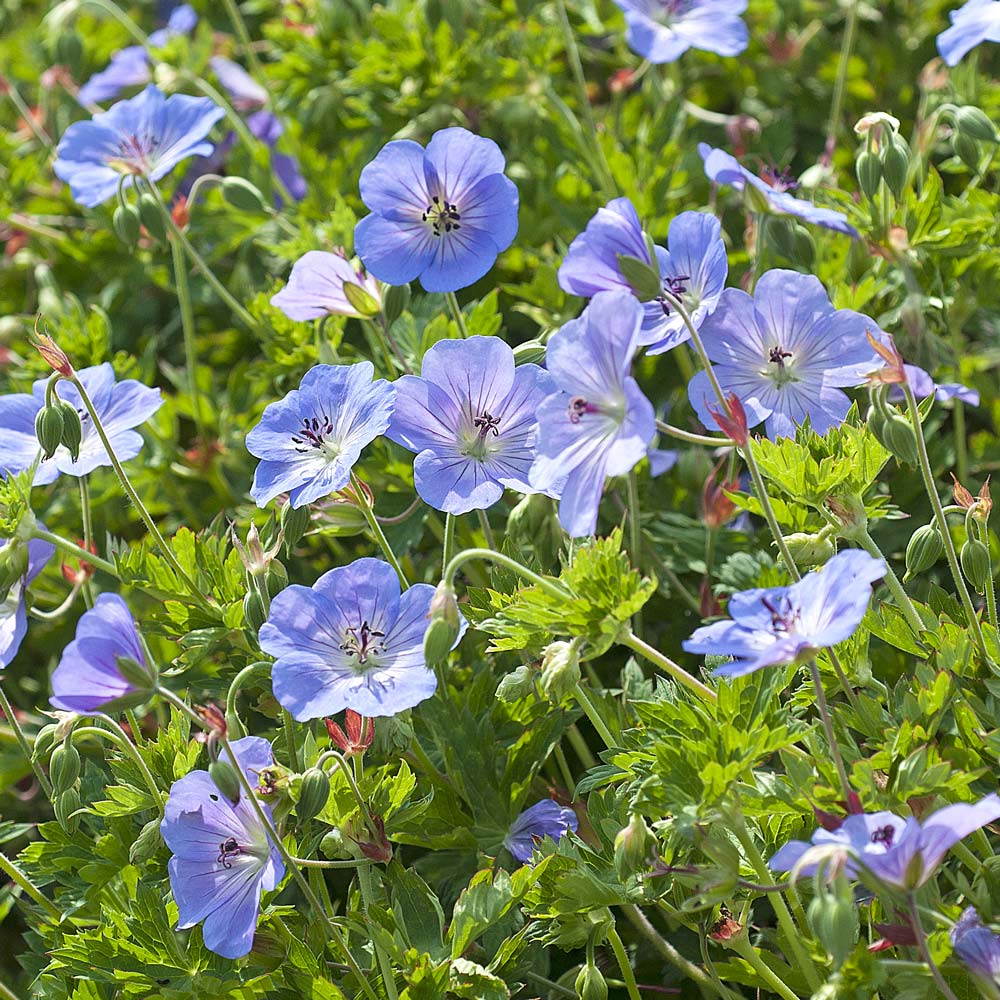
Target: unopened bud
<point>253,610</point>
<point>869,171</point>
<point>395,301</point>
<point>243,195</point>
<point>294,524</point>
<point>151,216</point>
<point>833,918</point>
<point>517,684</point>
<point>560,670</point>
<point>64,767</point>
<point>44,739</point>
<point>65,805</point>
<point>967,150</point>
<point>810,549</point>
<point>896,165</point>
<point>756,200</point>
<point>635,847</point>
<point>975,559</point>
<point>976,124</point>
<point>223,774</point>
<point>139,675</point>
<point>126,224</point>
<point>72,429</point>
<point>335,845</point>
<point>438,640</point>
<point>901,439</point>
<point>314,791</point>
<point>531,352</point>
<point>591,984</point>
<point>924,549</point>
<point>276,577</point>
<point>13,565</point>
<point>147,843</point>
<point>48,429</point>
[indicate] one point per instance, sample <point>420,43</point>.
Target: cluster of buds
<point>265,575</point>
<point>884,157</point>
<point>893,431</point>
<point>975,553</point>
<point>973,128</point>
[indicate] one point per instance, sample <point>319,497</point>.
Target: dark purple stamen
<point>578,406</point>
<point>442,215</point>
<point>884,835</point>
<point>360,642</point>
<point>486,423</point>
<point>313,433</point>
<point>777,356</point>
<point>228,849</point>
<point>676,286</point>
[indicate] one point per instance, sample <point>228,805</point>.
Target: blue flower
<point>120,405</point>
<point>663,30</point>
<point>597,423</point>
<point>779,625</point>
<point>316,287</point>
<point>973,23</point>
<point>784,353</point>
<point>693,268</point>
<point>470,416</point>
<point>440,214</point>
<point>309,441</point>
<point>243,90</point>
<point>978,947</point>
<point>223,856</point>
<point>544,819</point>
<point>130,66</point>
<point>88,675</point>
<point>147,135</point>
<point>725,169</point>
<point>351,640</point>
<point>923,385</point>
<point>13,614</point>
<point>893,851</point>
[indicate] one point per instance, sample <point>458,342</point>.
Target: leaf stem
<point>550,586</point>
<point>892,582</point>
<point>121,740</point>
<point>368,512</point>
<point>187,326</point>
<point>682,435</point>
<point>71,548</point>
<point>456,313</point>
<point>925,952</point>
<point>677,672</point>
<point>367,899</point>
<point>88,535</point>
<point>10,869</point>
<point>22,741</point>
<point>623,963</point>
<point>748,953</point>
<point>590,710</point>
<point>824,713</point>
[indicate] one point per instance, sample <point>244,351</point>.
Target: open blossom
<point>147,135</point>
<point>896,852</point>
<point>13,614</point>
<point>597,423</point>
<point>89,675</point>
<point>129,67</point>
<point>979,948</point>
<point>777,625</point>
<point>663,30</point>
<point>309,441</point>
<point>923,385</point>
<point>975,22</point>
<point>351,640</point>
<point>544,819</point>
<point>470,416</point>
<point>723,168</point>
<point>121,407</point>
<point>442,214</point>
<point>693,268</point>
<point>316,287</point>
<point>785,354</point>
<point>223,857</point>
<point>245,93</point>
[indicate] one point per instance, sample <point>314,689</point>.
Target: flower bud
<point>635,847</point>
<point>395,301</point>
<point>275,578</point>
<point>72,429</point>
<point>975,559</point>
<point>225,778</point>
<point>810,549</point>
<point>438,640</point>
<point>875,422</point>
<point>147,843</point>
<point>361,300</point>
<point>560,670</point>
<point>151,216</point>
<point>590,984</point>
<point>967,150</point>
<point>64,767</point>
<point>358,736</point>
<point>253,610</point>
<point>335,845</point>
<point>340,517</point>
<point>48,429</point>
<point>642,277</point>
<point>896,166</point>
<point>517,684</point>
<point>976,124</point>
<point>126,225</point>
<point>923,550</point>
<point>294,524</point>
<point>314,791</point>
<point>869,171</point>
<point>44,739</point>
<point>243,195</point>
<point>833,918</point>
<point>901,439</point>
<point>13,565</point>
<point>64,806</point>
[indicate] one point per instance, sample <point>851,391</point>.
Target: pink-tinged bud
<point>893,934</point>
<point>894,372</point>
<point>359,735</point>
<point>963,497</point>
<point>733,423</point>
<point>716,507</point>
<point>725,928</point>
<point>54,355</point>
<point>214,718</point>
<point>377,849</point>
<point>85,570</point>
<point>180,212</point>
<point>828,820</point>
<point>621,81</point>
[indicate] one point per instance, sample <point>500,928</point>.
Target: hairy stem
<point>187,326</point>
<point>22,741</point>
<point>677,672</point>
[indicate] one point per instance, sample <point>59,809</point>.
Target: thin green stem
<point>448,548</point>
<point>25,112</point>
<point>239,25</point>
<point>760,231</point>
<point>375,528</point>
<point>22,741</point>
<point>367,899</point>
<point>677,672</point>
<point>961,445</point>
<point>991,597</point>
<point>484,524</point>
<point>198,261</point>
<point>377,334</point>
<point>6,993</point>
<point>71,548</point>
<point>316,863</point>
<point>748,953</point>
<point>88,535</point>
<point>635,549</point>
<point>366,814</point>
<point>563,764</point>
<point>293,751</point>
<point>623,963</point>
<point>600,165</point>
<point>949,546</point>
<point>233,720</point>
<point>893,583</point>
<point>692,438</point>
<point>580,747</point>
<point>10,869</point>
<point>134,497</point>
<point>590,710</point>
<point>824,714</point>
<point>925,952</point>
<point>187,326</point>
<point>456,315</point>
<point>840,84</point>
<point>550,586</point>
<point>121,740</point>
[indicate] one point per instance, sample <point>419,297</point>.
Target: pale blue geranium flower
<point>121,407</point>
<point>896,852</point>
<point>351,640</point>
<point>972,24</point>
<point>923,385</point>
<point>979,948</point>
<point>778,625</point>
<point>309,441</point>
<point>663,30</point>
<point>470,416</point>
<point>723,168</point>
<point>88,675</point>
<point>693,268</point>
<point>785,354</point>
<point>441,215</point>
<point>544,819</point>
<point>597,423</point>
<point>147,135</point>
<point>13,613</point>
<point>315,287</point>
<point>223,857</point>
